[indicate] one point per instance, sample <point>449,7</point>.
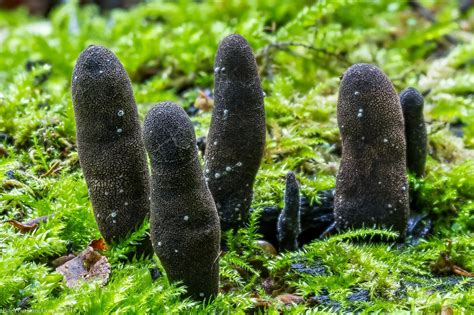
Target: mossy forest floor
<point>302,48</point>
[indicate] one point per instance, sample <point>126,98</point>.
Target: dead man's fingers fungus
<point>109,141</point>
<point>371,185</point>
<point>184,223</point>
<point>236,137</point>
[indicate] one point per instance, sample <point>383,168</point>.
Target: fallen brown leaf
<point>289,299</point>
<point>461,272</point>
<point>28,226</point>
<point>87,266</point>
<point>444,265</point>
<point>98,244</point>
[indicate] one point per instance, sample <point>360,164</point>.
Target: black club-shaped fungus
<point>110,144</point>
<point>184,223</point>
<point>289,222</point>
<point>415,130</point>
<point>371,185</point>
<point>237,133</point>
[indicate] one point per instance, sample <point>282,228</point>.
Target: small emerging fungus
<point>415,130</point>
<point>237,133</point>
<point>109,140</point>
<point>184,223</point>
<point>371,186</point>
<point>289,223</point>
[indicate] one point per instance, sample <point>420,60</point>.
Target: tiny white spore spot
<point>120,113</point>
<point>159,243</point>
<point>361,110</point>
<point>363,138</point>
<point>385,140</point>
<point>215,142</point>
<point>119,130</point>
<point>236,209</point>
<point>101,71</point>
<point>389,205</point>
<point>75,77</point>
<point>216,70</point>
<point>356,93</point>
<point>380,183</point>
<point>217,175</point>
<point>113,214</point>
<point>359,115</point>
<point>207,171</point>
<point>404,188</point>
<point>175,250</point>
<point>121,175</point>
<point>239,164</point>
<point>126,203</point>
<point>121,191</point>
<point>264,94</point>
<point>201,294</point>
<point>228,168</point>
<point>186,218</point>
<point>223,69</point>
<point>106,193</point>
<point>114,221</point>
<point>98,215</point>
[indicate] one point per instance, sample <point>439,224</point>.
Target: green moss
<point>301,48</point>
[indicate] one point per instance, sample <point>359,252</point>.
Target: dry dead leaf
<point>28,226</point>
<point>87,266</point>
<point>289,299</point>
<point>444,265</point>
<point>98,244</point>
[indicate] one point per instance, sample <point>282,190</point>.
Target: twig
<point>285,46</point>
